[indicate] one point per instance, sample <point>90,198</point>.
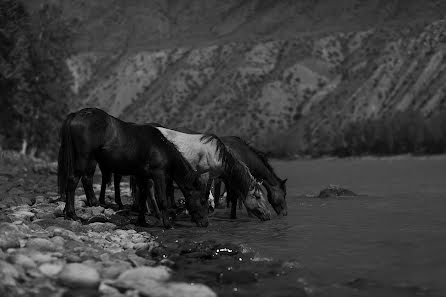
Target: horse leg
<point>170,193</point>
<point>105,176</point>
<point>217,188</point>
<point>117,181</point>
<point>153,203</point>
<point>69,212</point>
<point>160,192</point>
<point>142,198</point>
<point>87,183</point>
<point>233,198</point>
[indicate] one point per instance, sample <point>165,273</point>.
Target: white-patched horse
<point>209,156</point>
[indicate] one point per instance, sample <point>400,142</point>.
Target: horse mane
<point>262,156</point>
<point>235,170</point>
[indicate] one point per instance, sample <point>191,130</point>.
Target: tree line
<point>34,79</point>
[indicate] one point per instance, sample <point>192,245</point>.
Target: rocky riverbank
<point>105,254</point>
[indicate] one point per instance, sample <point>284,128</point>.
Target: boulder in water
<point>335,191</point>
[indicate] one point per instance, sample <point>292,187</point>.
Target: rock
<point>58,211</point>
<point>141,274</point>
<point>141,246</point>
<point>79,275</point>
<point>96,210</point>
<point>58,231</point>
<point>79,204</point>
<point>40,199</point>
<point>138,261</point>
<point>107,290</point>
<point>9,242</point>
<point>22,215</point>
<point>109,212</point>
<point>187,290</point>
<point>58,241</point>
<point>24,261</point>
<point>127,245</point>
<point>41,244</point>
<point>335,191</point>
<point>45,216</point>
<point>8,274</point>
<point>50,269</point>
<point>112,269</point>
<point>101,227</point>
<point>40,257</point>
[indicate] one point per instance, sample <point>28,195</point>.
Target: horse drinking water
<point>92,136</point>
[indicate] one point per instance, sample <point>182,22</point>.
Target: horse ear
<point>260,182</point>
<point>284,181</point>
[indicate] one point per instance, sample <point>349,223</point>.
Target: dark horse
<point>261,169</point>
<point>91,136</point>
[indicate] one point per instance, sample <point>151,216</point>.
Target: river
<point>389,241</point>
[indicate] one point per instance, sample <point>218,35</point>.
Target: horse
<point>209,156</point>
<point>91,136</point>
<point>261,169</point>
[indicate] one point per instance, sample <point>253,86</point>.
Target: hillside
<point>264,70</point>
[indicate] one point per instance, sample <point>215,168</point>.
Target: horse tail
<point>65,164</point>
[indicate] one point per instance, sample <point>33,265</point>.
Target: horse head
<point>277,197</point>
<point>256,203</point>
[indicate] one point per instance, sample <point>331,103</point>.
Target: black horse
<point>92,136</point>
<point>261,169</point>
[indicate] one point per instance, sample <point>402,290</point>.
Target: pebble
<point>101,227</point>
<point>22,215</point>
<point>58,211</point>
<point>141,274</point>
<point>8,274</point>
<point>187,290</point>
<point>41,244</point>
<point>96,210</point>
<point>24,261</point>
<point>40,199</point>
<point>79,275</point>
<point>9,242</point>
<point>50,269</point>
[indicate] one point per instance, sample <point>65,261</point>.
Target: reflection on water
<point>388,242</point>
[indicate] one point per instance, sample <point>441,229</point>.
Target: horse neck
<point>239,174</point>
<point>182,173</point>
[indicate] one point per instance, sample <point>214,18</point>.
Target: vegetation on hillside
<point>34,79</point>
<point>403,132</point>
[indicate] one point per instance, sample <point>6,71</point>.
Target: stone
<point>335,191</point>
<point>79,275</point>
<point>101,227</point>
<point>24,261</point>
<point>50,269</point>
<point>41,244</point>
<point>9,242</point>
<point>22,215</point>
<point>187,290</point>
<point>96,210</point>
<point>59,231</point>
<point>142,274</point>
<point>40,199</point>
<point>109,212</point>
<point>58,241</point>
<point>112,269</point>
<point>8,274</point>
<point>58,211</point>
<point>16,192</point>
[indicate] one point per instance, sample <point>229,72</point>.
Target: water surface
<point>390,241</point>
